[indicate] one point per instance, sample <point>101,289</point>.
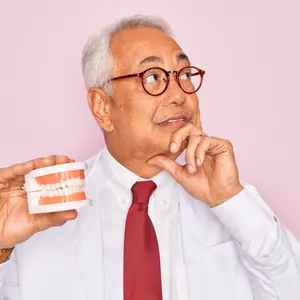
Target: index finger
<point>182,134</point>
<point>21,169</point>
<point>198,121</point>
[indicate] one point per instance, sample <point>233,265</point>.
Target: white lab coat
<point>66,263</point>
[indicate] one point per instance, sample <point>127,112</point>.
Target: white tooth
<point>63,192</point>
<point>77,181</point>
<point>172,121</point>
<point>51,193</point>
<point>67,191</point>
<point>56,192</point>
<point>71,190</point>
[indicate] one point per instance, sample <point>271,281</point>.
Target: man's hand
<point>210,173</point>
<point>16,224</point>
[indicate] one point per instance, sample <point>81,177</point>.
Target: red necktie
<point>142,278</point>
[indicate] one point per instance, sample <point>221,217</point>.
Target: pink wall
<point>250,50</point>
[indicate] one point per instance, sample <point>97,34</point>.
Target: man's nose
<point>174,94</point>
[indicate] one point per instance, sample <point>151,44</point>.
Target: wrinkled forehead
<point>131,48</point>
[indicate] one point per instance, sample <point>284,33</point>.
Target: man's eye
<point>151,78</point>
<point>185,76</point>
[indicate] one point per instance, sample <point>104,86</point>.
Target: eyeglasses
<point>156,80</point>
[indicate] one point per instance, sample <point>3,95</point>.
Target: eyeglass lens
<point>155,80</point>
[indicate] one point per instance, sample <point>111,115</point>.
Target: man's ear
<point>100,107</point>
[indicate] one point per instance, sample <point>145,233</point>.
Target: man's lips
<point>177,120</point>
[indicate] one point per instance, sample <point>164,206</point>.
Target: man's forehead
<point>144,45</point>
<point>180,56</point>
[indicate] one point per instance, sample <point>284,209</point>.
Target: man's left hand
<point>210,173</point>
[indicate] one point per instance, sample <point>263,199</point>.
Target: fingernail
<point>173,147</point>
<point>190,169</point>
<point>198,161</point>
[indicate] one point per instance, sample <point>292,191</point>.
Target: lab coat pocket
<point>219,273</point>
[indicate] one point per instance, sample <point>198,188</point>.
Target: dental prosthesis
<point>56,188</point>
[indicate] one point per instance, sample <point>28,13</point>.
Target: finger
<point>59,218</point>
<point>16,170</point>
<point>198,121</point>
<point>164,162</point>
<point>44,161</point>
<point>190,155</point>
<point>182,134</point>
<point>44,221</point>
<point>22,169</point>
<point>210,146</point>
<point>62,159</point>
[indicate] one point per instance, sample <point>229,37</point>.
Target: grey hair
<point>97,61</point>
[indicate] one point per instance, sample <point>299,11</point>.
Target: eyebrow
<point>183,56</point>
<point>150,59</point>
<point>155,59</point>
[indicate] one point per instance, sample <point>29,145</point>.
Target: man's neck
<point>137,165</point>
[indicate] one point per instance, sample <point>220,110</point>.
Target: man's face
<point>136,115</point>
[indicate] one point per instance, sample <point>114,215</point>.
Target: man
<point>158,228</point>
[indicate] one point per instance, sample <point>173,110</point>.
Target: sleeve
<point>9,287</point>
<point>270,253</point>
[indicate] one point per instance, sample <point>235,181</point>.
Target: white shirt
<point>116,200</point>
<point>163,212</point>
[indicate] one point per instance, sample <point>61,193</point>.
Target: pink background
<point>250,95</point>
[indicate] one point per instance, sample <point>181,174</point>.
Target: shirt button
<point>164,201</point>
<point>123,201</point>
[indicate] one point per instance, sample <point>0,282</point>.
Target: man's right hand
<point>16,224</point>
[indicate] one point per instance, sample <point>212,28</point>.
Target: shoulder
<point>92,162</point>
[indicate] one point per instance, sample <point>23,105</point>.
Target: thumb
<point>48,220</point>
<point>167,164</point>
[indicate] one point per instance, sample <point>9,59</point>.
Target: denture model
<point>56,188</point>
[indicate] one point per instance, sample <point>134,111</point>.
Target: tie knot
<point>142,190</point>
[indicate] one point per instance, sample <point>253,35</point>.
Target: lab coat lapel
<point>88,238</point>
